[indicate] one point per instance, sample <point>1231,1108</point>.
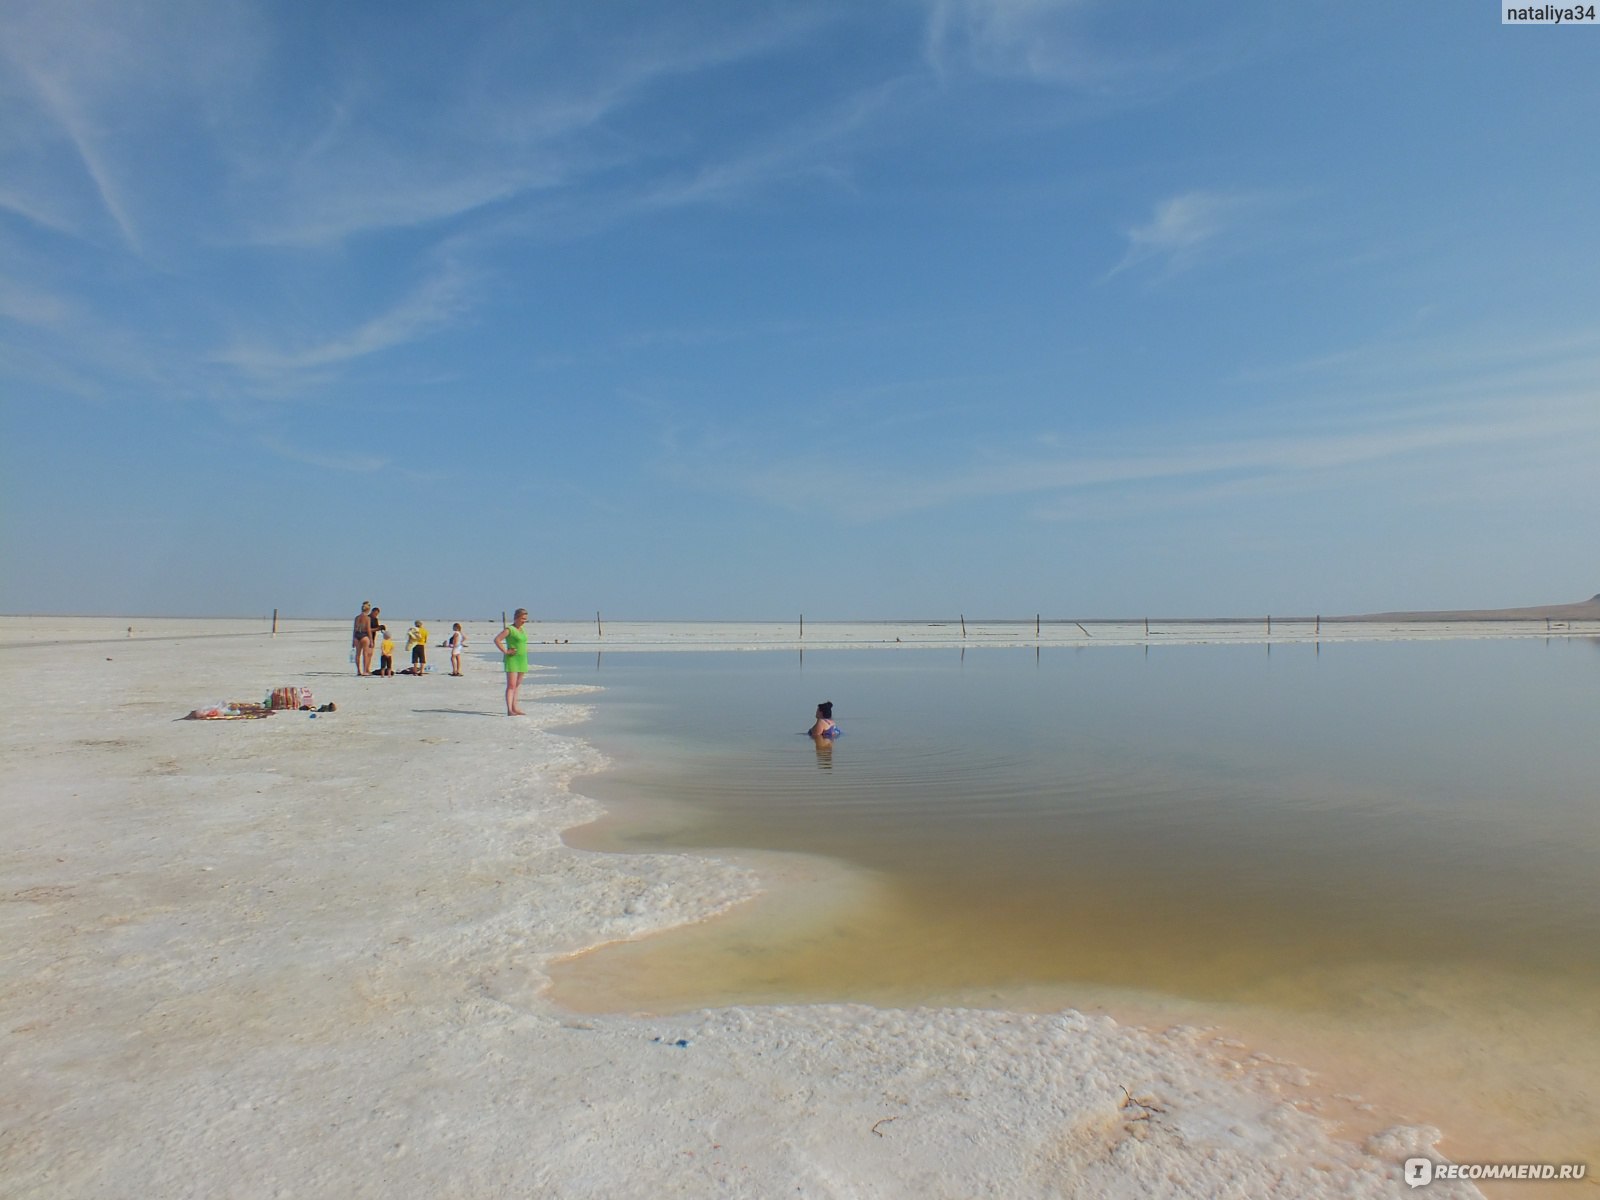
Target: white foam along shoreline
<point>305,955</point>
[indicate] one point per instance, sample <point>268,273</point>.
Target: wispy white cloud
<point>1521,414</point>
<point>62,108</point>
<point>25,367</point>
<point>33,210</point>
<point>434,120</point>
<point>369,190</point>
<point>464,145</point>
<point>800,150</point>
<point>1177,476</point>
<point>429,307</point>
<point>1117,51</point>
<point>1185,228</point>
<point>505,129</point>
<point>30,305</point>
<point>93,89</point>
<point>1030,38</point>
<point>696,337</point>
<point>361,464</point>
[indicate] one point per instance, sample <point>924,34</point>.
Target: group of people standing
<point>512,642</point>
<point>371,636</point>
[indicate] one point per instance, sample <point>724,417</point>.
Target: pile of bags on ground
<point>282,699</point>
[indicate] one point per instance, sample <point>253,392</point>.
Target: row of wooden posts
<point>1038,621</point>
<point>599,629</point>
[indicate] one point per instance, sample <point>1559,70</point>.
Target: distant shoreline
<point>1584,610</point>
<point>554,637</point>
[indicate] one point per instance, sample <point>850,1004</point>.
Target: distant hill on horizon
<point>1583,610</point>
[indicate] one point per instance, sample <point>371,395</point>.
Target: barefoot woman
<point>512,641</point>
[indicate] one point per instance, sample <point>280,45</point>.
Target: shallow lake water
<point>1376,858</point>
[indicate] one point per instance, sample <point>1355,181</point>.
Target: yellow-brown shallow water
<point>1375,860</point>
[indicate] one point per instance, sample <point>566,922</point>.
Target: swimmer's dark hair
<point>825,709</point>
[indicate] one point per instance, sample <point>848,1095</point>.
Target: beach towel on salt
<point>232,711</point>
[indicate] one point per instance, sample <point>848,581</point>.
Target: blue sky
<point>746,310</point>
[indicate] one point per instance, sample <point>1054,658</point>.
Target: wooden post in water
<point>598,631</point>
<point>1319,624</point>
<point>275,623</point>
<point>802,627</point>
<point>963,624</point>
<point>1036,626</point>
<point>1269,626</point>
<point>1086,633</point>
<point>1147,627</point>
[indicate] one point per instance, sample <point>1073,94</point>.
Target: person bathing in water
<point>824,728</point>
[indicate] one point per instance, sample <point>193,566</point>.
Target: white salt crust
<point>305,957</point>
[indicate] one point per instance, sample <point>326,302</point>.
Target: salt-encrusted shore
<point>305,956</point>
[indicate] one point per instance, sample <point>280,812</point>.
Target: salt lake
<point>1377,858</point>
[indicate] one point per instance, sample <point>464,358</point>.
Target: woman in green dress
<point>512,641</point>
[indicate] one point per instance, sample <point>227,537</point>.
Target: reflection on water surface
<point>1391,838</point>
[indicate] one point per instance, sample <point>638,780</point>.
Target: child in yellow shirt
<point>386,663</point>
<point>417,640</point>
